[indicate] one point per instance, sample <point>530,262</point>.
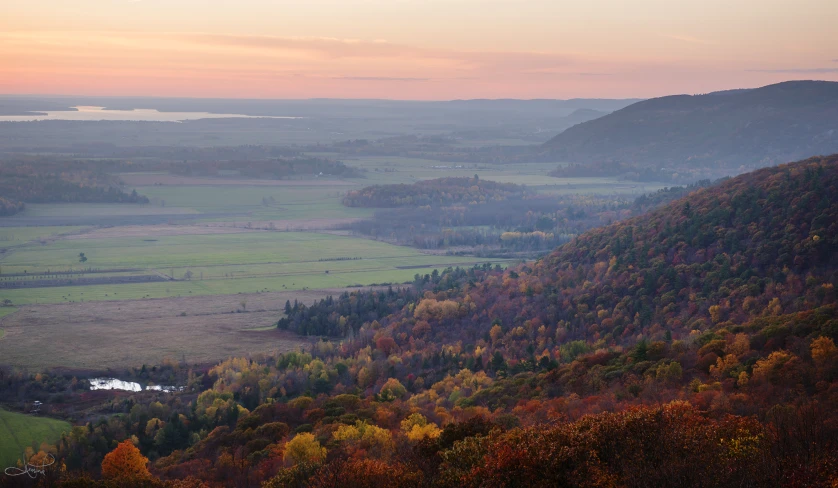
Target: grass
<point>255,262</point>
<point>245,202</point>
<point>166,252</point>
<point>317,200</point>
<point>311,281</point>
<point>218,203</point>
<point>3,312</point>
<point>19,431</point>
<point>223,264</point>
<point>121,334</point>
<point>394,170</point>
<point>19,235</point>
<point>52,210</point>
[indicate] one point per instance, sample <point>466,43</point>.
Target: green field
<point>324,201</point>
<point>53,210</point>
<point>216,287</point>
<point>247,262</point>
<point>214,203</point>
<point>300,200</point>
<point>19,431</point>
<point>12,236</point>
<point>390,170</point>
<point>394,170</point>
<point>245,202</point>
<point>3,312</point>
<point>207,251</point>
<point>222,264</point>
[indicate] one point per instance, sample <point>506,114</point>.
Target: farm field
<point>225,245</point>
<point>213,264</point>
<point>188,203</point>
<point>181,199</point>
<point>395,170</point>
<point>47,210</point>
<point>140,291</point>
<point>12,236</point>
<point>288,202</point>
<point>19,431</point>
<point>390,170</point>
<point>3,312</point>
<point>164,252</point>
<point>120,334</point>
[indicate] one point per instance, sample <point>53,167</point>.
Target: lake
<point>91,113</point>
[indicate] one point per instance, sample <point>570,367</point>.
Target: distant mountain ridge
<point>730,129</point>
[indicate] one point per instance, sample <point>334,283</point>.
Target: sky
<point>412,49</point>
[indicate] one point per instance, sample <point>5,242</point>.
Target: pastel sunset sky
<point>412,49</point>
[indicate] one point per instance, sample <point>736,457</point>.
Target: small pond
<point>117,384</point>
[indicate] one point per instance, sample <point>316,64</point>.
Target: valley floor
<point>125,333</point>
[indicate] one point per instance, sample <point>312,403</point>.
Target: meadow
<point>176,199</point>
<point>381,170</point>
<point>10,236</point>
<point>113,335</point>
<point>246,202</point>
<point>19,431</point>
<point>238,258</point>
<point>218,264</point>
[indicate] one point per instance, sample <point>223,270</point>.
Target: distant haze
<point>411,49</point>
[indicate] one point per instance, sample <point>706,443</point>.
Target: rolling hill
<point>766,240</point>
<point>736,129</point>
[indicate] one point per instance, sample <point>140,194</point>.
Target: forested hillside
<point>767,240</point>
<point>703,135</point>
<point>692,346</point>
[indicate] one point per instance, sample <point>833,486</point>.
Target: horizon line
<point>413,100</point>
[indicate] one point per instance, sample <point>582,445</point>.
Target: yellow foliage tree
<point>716,313</point>
<point>371,436</point>
<point>304,448</point>
<point>431,309</point>
<point>496,332</point>
<point>125,463</point>
<point>416,427</point>
<point>779,366</point>
<point>823,350</point>
<point>739,346</point>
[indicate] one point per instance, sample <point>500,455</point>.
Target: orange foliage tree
<point>125,463</point>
